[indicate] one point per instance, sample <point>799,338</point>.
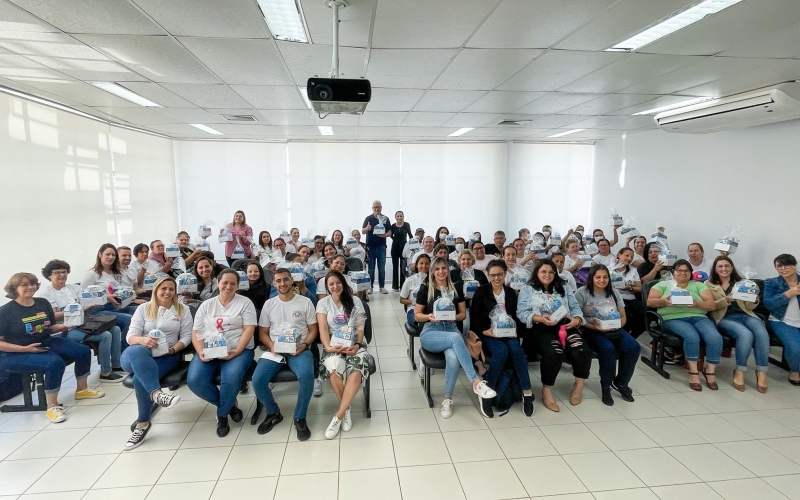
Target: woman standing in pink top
<point>242,235</point>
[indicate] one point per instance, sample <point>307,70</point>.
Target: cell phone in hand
<point>42,348</point>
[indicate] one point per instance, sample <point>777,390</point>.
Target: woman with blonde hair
<point>159,330</point>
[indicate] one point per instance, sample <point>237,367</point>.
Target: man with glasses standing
<point>377,228</point>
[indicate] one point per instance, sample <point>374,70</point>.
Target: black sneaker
<point>303,433</point>
<point>166,400</point>
<point>527,405</point>
<point>118,369</point>
<point>137,437</point>
<point>222,427</point>
<point>624,391</point>
<point>236,414</point>
<point>112,377</point>
<point>607,399</point>
<point>486,407</point>
<point>269,422</point>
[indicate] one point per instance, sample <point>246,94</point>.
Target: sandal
<point>711,385</point>
<point>695,386</point>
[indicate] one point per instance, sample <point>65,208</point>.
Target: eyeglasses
<point>60,273</point>
<point>682,271</point>
<point>783,266</point>
<point>496,276</point>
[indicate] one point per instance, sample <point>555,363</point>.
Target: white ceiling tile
<point>738,25</point>
<point>779,71</point>
<point>300,131</point>
<point>208,96</point>
<point>448,100</point>
<point>614,122</point>
<point>208,18</point>
<point>267,131</point>
<point>337,121</point>
<point>83,93</point>
<point>400,68</point>
<point>13,18</point>
<point>555,121</point>
<point>556,68</point>
<point>24,87</point>
<point>48,44</point>
<point>381,118</point>
<point>242,62</point>
<point>608,103</point>
<point>426,119</point>
<point>378,132</point>
<point>628,71</point>
<point>780,45</point>
<point>499,101</point>
<point>90,70</point>
<point>554,102</point>
<point>621,21</point>
<point>655,103</point>
<point>343,133</point>
<point>704,71</point>
<point>473,120</point>
<point>13,61</point>
<point>239,111</point>
<point>226,129</point>
<point>495,66</point>
<point>111,17</point>
<point>157,57</point>
<point>426,132</point>
<point>497,132</point>
<point>35,75</point>
<point>271,97</point>
<point>354,22</point>
<point>139,116</point>
<point>384,99</point>
<point>158,94</point>
<point>427,24</point>
<point>540,24</point>
<point>190,115</point>
<point>305,61</point>
<point>182,129</point>
<point>287,117</point>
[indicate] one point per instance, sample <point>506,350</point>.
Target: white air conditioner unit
<point>767,105</point>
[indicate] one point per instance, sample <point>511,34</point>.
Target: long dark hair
<point>200,283</point>
<point>436,237</point>
<point>557,285</point>
<point>609,290</point>
<point>261,237</point>
<point>341,243</point>
<point>345,297</point>
<point>98,266</point>
<point>646,251</point>
<point>629,249</point>
<point>714,275</point>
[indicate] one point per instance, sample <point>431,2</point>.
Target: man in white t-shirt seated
<point>427,249</point>
<point>286,313</point>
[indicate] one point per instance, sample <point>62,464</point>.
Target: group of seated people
<point>529,298</point>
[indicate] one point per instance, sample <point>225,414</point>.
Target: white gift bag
<point>214,345</point>
<point>73,315</point>
<point>286,342</point>
<point>444,309</point>
<point>162,348</point>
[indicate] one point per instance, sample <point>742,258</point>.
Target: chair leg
<point>411,352</point>
<point>427,384</point>
<point>30,383</point>
<point>256,412</point>
<point>366,396</point>
<point>656,360</point>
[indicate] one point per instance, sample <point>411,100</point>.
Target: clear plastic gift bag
<point>414,244</point>
<point>667,256</point>
<point>380,228</point>
<point>179,264</point>
<point>308,240</point>
<point>444,309</point>
<point>214,345</point>
<point>204,231</point>
<point>615,219</point>
<point>162,348</point>
<point>150,280</point>
<point>351,242</point>
<point>628,230</point>
<point>555,239</point>
<point>238,252</point>
<point>605,315</point>
<point>503,325</point>
<point>283,233</point>
<point>677,295</point>
<point>125,296</point>
<point>319,269</point>
<point>730,242</point>
<point>517,277</point>
<point>470,284</point>
<point>287,339</point>
<point>297,270</point>
<point>345,330</point>
<point>226,235</point>
<point>746,289</point>
<point>591,248</point>
<point>450,240</point>
<point>187,282</point>
<point>617,279</point>
<point>554,308</point>
<point>659,236</point>
<point>203,245</point>
<point>359,253</point>
<point>73,315</point>
<point>587,259</point>
<point>360,280</point>
<point>473,237</point>
<point>244,282</point>
<point>93,295</point>
<point>172,251</point>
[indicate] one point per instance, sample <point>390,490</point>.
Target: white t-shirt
<point>103,280</point>
<point>704,266</point>
<point>632,276</point>
<point>175,328</point>
<point>298,312</point>
<point>481,264</point>
<point>292,247</point>
<point>416,256</point>
<point>569,262</point>
<point>129,277</point>
<point>609,260</point>
<point>336,315</point>
<point>321,286</point>
<point>69,294</point>
<point>569,278</point>
<point>792,315</point>
<point>410,288</point>
<point>212,316</point>
<point>528,265</point>
<point>501,298</point>
<point>150,267</point>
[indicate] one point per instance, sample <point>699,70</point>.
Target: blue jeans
<point>138,360</point>
<point>443,336</point>
<point>123,322</point>
<point>750,334</point>
<point>410,315</point>
<point>790,337</point>
<point>607,349</point>
<point>501,349</point>
<point>109,346</point>
<point>377,254</point>
<point>53,362</point>
<point>692,329</point>
<point>201,379</point>
<point>302,365</point>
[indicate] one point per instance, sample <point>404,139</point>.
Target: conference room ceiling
<point>435,66</point>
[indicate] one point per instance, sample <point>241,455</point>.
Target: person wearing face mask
<point>401,233</point>
<point>460,245</point>
<point>376,245</point>
<point>441,235</point>
<point>547,231</point>
<point>482,259</point>
<point>499,244</point>
<point>697,258</point>
<point>598,234</point>
<point>427,249</point>
<point>525,235</point>
<point>259,289</point>
<point>558,259</point>
<point>578,236</point>
<point>604,255</point>
<point>651,268</point>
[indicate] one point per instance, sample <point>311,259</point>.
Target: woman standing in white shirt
<point>264,249</point>
<point>149,357</point>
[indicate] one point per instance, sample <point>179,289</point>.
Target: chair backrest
<point>367,323</point>
<point>269,276</point>
<point>646,291</point>
<point>241,264</point>
<point>761,308</point>
<point>353,264</point>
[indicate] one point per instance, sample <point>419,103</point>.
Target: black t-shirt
<point>372,240</point>
<point>491,249</point>
<point>22,325</point>
<point>733,307</point>
<point>400,235</point>
<point>427,308</point>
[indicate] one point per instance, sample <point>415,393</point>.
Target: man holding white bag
<point>377,229</point>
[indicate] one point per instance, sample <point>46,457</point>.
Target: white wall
<point>696,185</point>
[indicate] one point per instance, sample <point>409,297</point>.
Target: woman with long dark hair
<point>107,276</point>
<point>629,288</point>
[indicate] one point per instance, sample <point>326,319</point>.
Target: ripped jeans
<point>554,354</point>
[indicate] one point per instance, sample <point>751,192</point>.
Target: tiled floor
<point>671,443</point>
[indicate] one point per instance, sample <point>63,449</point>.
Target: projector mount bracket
<point>335,5</point>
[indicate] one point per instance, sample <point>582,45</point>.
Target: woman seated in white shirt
<point>604,255</point>
<point>408,294</point>
<point>337,238</point>
<point>106,275</point>
<point>558,259</point>
<point>629,289</point>
<point>159,330</point>
<point>264,249</point>
<point>338,264</point>
<point>526,261</point>
<point>638,249</point>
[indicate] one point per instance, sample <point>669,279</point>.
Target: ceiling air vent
<point>240,118</point>
<point>514,122</point>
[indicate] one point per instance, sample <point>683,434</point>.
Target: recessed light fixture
<point>672,24</point>
<point>567,133</point>
<point>205,128</point>
<point>285,20</point>
<point>120,91</point>
<point>325,130</point>
<point>676,105</point>
<point>304,93</point>
<point>461,131</point>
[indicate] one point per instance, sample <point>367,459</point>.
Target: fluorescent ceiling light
<point>205,128</point>
<point>304,93</point>
<point>567,133</point>
<point>676,105</point>
<point>119,91</point>
<point>461,131</point>
<point>285,20</point>
<point>672,24</point>
<point>325,130</point>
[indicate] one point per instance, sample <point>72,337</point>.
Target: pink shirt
<point>241,235</point>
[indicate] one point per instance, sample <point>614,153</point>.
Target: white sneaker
<point>447,408</point>
<point>347,422</point>
<point>383,291</point>
<point>333,428</point>
<point>483,390</point>
<point>369,291</point>
<point>271,385</point>
<point>420,370</point>
<point>317,388</point>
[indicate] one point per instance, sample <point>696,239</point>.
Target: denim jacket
<point>774,298</point>
<point>530,301</point>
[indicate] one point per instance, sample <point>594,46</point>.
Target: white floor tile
<point>546,476</point>
<point>668,431</point>
<point>311,457</point>
<point>129,493</point>
<point>466,417</point>
<point>746,489</point>
<point>758,401</point>
<point>640,408</point>
<point>403,399</point>
<point>695,491</point>
<point>656,467</point>
<point>19,475</point>
<point>621,435</point>
<point>412,421</point>
<point>204,434</point>
<point>430,481</point>
<point>675,404</point>
<point>72,473</point>
<point>759,458</point>
<point>377,425</point>
<point>718,401</point>
<point>253,461</point>
<point>25,422</point>
<point>544,417</point>
<point>593,410</point>
<point>366,453</point>
<point>708,462</point>
<point>183,468</point>
<point>11,441</point>
<point>320,486</point>
<point>48,444</point>
<point>523,442</point>
<point>244,488</point>
<point>420,449</point>
<point>714,428</point>
<point>473,446</point>
<point>602,471</point>
<point>489,480</point>
<point>788,485</point>
<point>61,495</point>
<point>787,417</point>
<point>573,438</point>
<point>363,484</point>
<point>788,447</point>
<point>200,490</point>
<point>135,469</point>
<point>632,494</point>
<point>758,425</point>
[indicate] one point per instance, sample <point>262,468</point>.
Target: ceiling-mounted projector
<point>338,95</point>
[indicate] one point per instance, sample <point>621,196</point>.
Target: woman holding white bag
<point>159,330</point>
<point>242,236</point>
